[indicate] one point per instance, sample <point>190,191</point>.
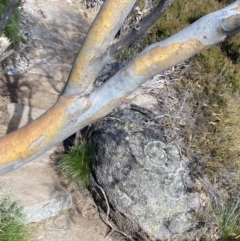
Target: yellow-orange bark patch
<point>163,57</point>
<point>16,145</point>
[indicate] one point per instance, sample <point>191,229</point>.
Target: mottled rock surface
<point>145,178</point>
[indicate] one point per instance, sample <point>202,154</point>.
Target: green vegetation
<point>128,53</point>
<point>229,220</point>
<point>12,227</point>
<point>12,29</point>
<point>75,164</point>
<point>179,15</point>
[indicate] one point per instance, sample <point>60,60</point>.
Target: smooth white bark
<point>81,111</point>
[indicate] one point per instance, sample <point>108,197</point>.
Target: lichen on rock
<point>145,178</point>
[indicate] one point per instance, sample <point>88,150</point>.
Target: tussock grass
<point>12,227</point>
<point>75,164</point>
<point>12,29</point>
<point>229,220</point>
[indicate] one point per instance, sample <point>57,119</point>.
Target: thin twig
<point>3,98</point>
<point>5,55</point>
<point>113,229</point>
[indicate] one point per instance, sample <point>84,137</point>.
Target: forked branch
<point>94,53</point>
<point>70,114</point>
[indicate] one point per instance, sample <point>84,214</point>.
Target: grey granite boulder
<point>146,180</point>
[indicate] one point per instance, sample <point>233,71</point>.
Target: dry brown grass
<point>208,95</point>
<point>4,44</point>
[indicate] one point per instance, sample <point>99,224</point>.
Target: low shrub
<point>12,227</point>
<point>12,29</point>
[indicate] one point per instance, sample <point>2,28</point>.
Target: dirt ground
<point>84,221</point>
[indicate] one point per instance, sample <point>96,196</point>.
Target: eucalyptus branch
<point>138,31</point>
<point>77,108</point>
